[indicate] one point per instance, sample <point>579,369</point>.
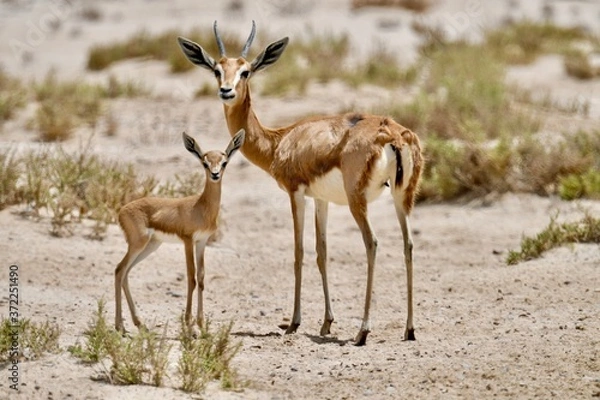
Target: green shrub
<point>34,339</point>
<point>587,230</point>
<point>206,357</point>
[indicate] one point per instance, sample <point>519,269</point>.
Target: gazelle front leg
<point>191,279</point>
<point>200,246</point>
<point>298,205</point>
<point>321,208</point>
<point>358,208</point>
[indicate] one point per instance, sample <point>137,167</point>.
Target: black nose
<point>225,90</point>
<point>214,176</point>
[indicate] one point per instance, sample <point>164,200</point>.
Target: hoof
<point>326,328</point>
<point>292,328</point>
<point>361,338</point>
<point>409,334</point>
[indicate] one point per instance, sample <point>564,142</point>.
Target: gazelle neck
<point>261,142</point>
<point>211,195</point>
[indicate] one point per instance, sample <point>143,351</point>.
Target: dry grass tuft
<point>412,5</point>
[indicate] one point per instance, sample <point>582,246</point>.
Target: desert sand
<point>484,329</point>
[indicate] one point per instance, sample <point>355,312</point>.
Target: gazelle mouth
<point>226,97</point>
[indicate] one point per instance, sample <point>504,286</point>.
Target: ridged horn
<point>249,41</point>
<point>219,41</point>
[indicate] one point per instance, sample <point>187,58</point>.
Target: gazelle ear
<point>269,55</point>
<point>191,146</point>
<point>236,142</point>
<point>196,54</point>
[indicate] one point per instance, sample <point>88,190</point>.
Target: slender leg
<point>358,208</point>
<point>321,208</point>
<point>200,246</point>
<point>120,273</point>
<point>409,333</point>
<point>298,203</point>
<point>151,246</point>
<point>191,279</point>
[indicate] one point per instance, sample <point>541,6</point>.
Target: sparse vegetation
<point>578,65</point>
<point>33,339</point>
<point>64,105</point>
<point>138,359</point>
<point>160,47</point>
<point>206,357</point>
<point>12,96</point>
<point>143,357</point>
<point>524,41</point>
<point>587,230</point>
<point>80,185</point>
<point>9,175</point>
<point>99,338</point>
<point>412,5</point>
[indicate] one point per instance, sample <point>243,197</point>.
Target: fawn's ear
<point>191,146</point>
<point>196,54</point>
<point>236,142</point>
<point>269,55</point>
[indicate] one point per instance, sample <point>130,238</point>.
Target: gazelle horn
<point>249,41</point>
<point>219,41</point>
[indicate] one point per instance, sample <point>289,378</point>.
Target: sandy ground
<point>483,329</point>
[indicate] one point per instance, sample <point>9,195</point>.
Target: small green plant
<point>587,230</point>
<point>576,186</point>
<point>206,357</point>
<point>138,359</point>
<point>99,337</point>
<point>141,358</point>
<point>33,339</point>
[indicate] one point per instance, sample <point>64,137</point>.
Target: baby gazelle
<point>148,221</point>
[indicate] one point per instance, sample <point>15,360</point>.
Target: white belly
<point>330,187</point>
<point>172,238</point>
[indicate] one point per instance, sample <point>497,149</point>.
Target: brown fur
<point>193,219</point>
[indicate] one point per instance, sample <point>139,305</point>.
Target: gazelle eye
<point>245,74</point>
<point>217,73</point>
<point>205,164</point>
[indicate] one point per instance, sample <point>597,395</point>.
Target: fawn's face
<point>214,161</point>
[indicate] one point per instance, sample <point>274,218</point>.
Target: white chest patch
<point>330,187</point>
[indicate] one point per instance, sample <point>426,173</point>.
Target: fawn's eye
<point>224,164</point>
<point>205,164</point>
<point>245,74</point>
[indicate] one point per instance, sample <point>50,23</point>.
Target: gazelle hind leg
<point>358,208</point>
<point>150,247</point>
<point>409,333</point>
<point>321,208</point>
